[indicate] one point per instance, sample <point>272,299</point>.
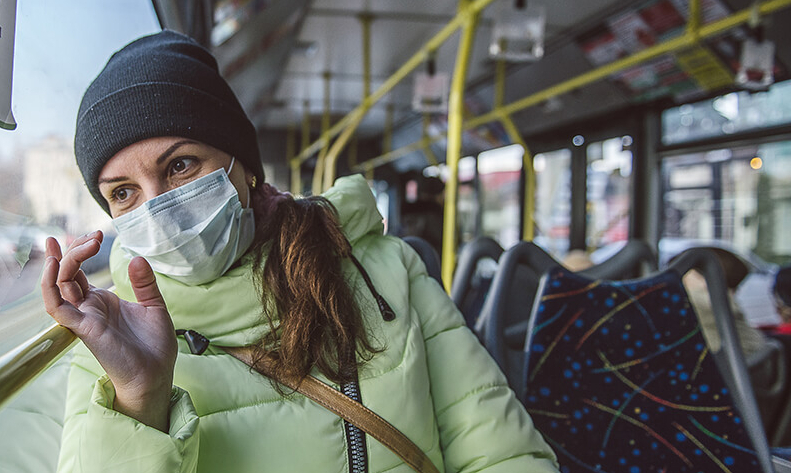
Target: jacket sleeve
<point>482,426</point>
<point>99,439</point>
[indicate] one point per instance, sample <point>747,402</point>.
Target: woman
<point>283,284</point>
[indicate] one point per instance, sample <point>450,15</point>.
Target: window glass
<point>467,208</point>
<point>738,197</point>
<point>499,173</point>
<point>59,48</point>
<point>609,182</point>
<point>728,114</point>
<point>553,201</point>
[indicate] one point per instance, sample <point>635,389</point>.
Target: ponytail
<point>313,317</point>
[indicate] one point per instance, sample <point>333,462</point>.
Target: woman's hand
<point>134,342</point>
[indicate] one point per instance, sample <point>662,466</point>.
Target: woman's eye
<point>180,165</point>
<point>121,194</point>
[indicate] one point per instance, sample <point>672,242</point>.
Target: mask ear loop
<point>228,172</point>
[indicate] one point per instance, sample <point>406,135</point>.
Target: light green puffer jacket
<point>434,381</point>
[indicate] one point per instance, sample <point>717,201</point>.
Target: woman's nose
<point>154,188</point>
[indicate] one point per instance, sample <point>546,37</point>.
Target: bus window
<point>739,196</point>
<point>608,191</point>
<point>728,114</point>
<point>553,201</point>
<point>59,48</point>
<point>467,204</point>
<point>499,172</point>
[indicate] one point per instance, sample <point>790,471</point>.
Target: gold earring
<point>254,182</point>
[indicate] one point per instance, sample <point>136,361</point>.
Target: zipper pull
<point>388,314</point>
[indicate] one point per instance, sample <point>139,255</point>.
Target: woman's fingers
<point>82,280</point>
<point>144,283</point>
<point>53,248</point>
<point>72,282</point>
<point>95,235</point>
<point>73,293</point>
<point>63,312</point>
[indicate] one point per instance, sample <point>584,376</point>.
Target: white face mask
<point>193,233</point>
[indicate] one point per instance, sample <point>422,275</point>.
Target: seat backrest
<point>624,365</point>
<point>635,259</point>
<point>429,256</point>
<point>502,323</point>
<point>469,287</point>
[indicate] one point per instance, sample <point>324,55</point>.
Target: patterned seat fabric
<point>619,379</point>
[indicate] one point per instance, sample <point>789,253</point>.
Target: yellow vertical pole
<point>329,157</point>
<point>369,173</point>
<point>693,24</point>
<point>455,119</point>
<point>325,125</point>
<point>296,176</point>
<point>528,206</point>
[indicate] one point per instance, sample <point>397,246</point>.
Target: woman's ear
<point>250,179</point>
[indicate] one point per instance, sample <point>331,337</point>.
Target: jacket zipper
<point>355,438</point>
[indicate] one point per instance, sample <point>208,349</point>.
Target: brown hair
<point>309,306</point>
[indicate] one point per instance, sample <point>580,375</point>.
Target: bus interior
<point>501,138</point>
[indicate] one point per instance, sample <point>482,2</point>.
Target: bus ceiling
<point>288,60</point>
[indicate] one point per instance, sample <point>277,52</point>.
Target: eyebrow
<point>166,154</point>
<point>162,157</point>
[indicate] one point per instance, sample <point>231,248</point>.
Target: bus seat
<point>507,305</point>
<point>429,256</point>
<point>502,324</point>
<point>769,378</point>
<point>470,286</point>
<point>623,368</point>
<point>635,259</point>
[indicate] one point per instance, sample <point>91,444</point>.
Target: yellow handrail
<point>685,40</point>
<point>453,150</point>
<point>691,36</point>
<point>410,65</point>
<point>21,365</point>
<point>528,209</point>
<point>325,125</point>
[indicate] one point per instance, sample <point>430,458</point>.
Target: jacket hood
<point>356,207</point>
<point>228,310</point>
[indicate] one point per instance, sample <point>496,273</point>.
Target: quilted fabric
<point>619,379</point>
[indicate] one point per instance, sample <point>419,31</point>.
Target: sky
<point>60,46</point>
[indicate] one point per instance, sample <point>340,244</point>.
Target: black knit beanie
<point>165,84</point>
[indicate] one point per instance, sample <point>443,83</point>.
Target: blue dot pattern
<point>624,382</point>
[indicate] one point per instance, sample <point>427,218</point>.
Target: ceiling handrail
<point>680,42</point>
<point>410,65</point>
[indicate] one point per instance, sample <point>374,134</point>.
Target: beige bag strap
<point>356,414</point>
